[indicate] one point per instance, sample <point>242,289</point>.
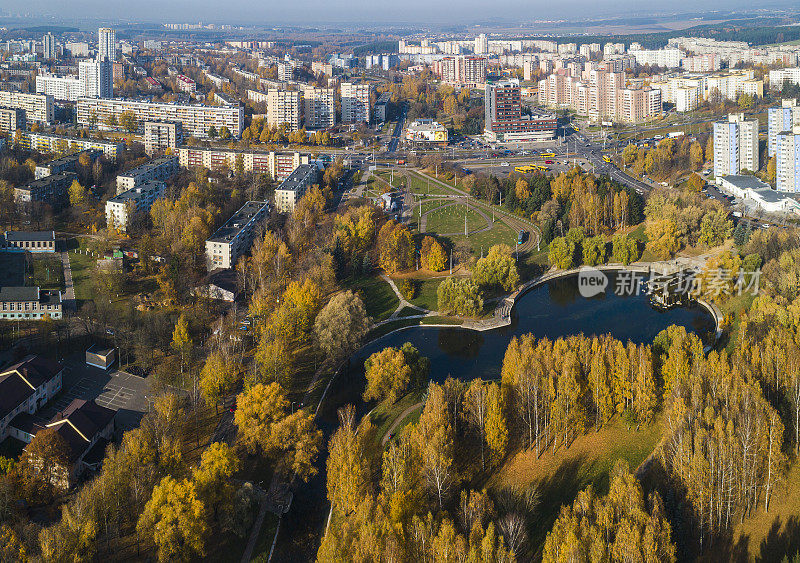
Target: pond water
<point>552,310</point>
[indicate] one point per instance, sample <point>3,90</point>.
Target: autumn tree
<point>497,269</point>
<point>617,527</point>
<point>348,464</point>
<point>219,377</point>
<point>624,249</point>
<point>175,520</point>
<point>432,255</point>
<point>390,372</point>
<point>395,247</point>
<point>434,440</point>
<point>341,325</point>
<point>459,296</point>
<point>78,195</point>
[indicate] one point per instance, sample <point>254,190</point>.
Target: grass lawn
<point>450,219</point>
<point>383,416</point>
<point>427,296</point>
<point>379,299</point>
<point>588,461</point>
<point>419,185</point>
<point>83,268</point>
<point>408,312</point>
<point>48,273</point>
<point>499,234</point>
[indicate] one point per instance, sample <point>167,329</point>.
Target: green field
<point>379,299</point>
<point>450,219</point>
<point>421,186</point>
<point>82,267</point>
<point>48,272</point>
<point>499,234</point>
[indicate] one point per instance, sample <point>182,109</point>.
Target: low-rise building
<point>186,84</point>
<point>53,190</point>
<point>29,303</point>
<point>294,187</point>
<point>235,237</point>
<point>757,195</point>
<point>424,132</point>
<point>279,165</point>
<point>162,135</point>
<point>66,163</point>
<point>59,144</point>
<point>158,169</point>
<point>31,241</point>
<point>382,106</point>
<point>25,387</point>
<point>121,208</point>
<point>86,429</point>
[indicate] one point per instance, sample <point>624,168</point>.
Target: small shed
<point>101,357</point>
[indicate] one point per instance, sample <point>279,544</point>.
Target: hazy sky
<point>316,11</point>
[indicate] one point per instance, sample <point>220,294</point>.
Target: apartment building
<point>294,187</point>
<point>95,80</point>
<point>67,163</point>
<point>162,135</point>
<point>159,169</point>
<point>469,71</point>
<point>52,190</point>
<point>11,119</point>
<point>217,81</point>
<point>668,58</point>
<point>787,169</point>
<point>66,88</point>
<point>106,44</point>
<point>319,67</point>
<point>284,106</point>
<point>355,102</point>
<point>731,84</point>
<point>29,241</point>
<point>25,387</point>
<point>235,237</point>
<point>503,115</point>
<point>782,118</point>
<point>777,78</point>
<point>196,119</point>
<point>635,105</point>
<point>320,108</point>
<point>279,165</point>
<point>59,144</point>
<point>707,62</point>
<point>121,208</point>
<point>735,145</point>
<point>382,107</point>
<point>37,107</point>
<point>29,303</point>
<point>685,92</point>
<point>186,84</point>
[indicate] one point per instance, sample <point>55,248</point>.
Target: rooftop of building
<point>148,166</point>
<point>79,425</point>
<point>69,159</point>
<point>745,181</point>
<point>53,178</point>
<point>138,192</point>
<point>30,235</point>
<point>425,124</point>
<point>238,220</point>
<point>299,178</point>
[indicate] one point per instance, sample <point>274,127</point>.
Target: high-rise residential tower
<point>735,145</point>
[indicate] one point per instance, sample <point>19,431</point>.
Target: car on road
<point>504,164</point>
<point>548,162</point>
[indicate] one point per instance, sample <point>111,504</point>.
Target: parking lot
<point>118,390</point>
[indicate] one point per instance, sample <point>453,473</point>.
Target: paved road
<point>398,129</point>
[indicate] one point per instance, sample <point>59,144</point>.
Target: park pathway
<point>398,420</point>
<point>69,290</point>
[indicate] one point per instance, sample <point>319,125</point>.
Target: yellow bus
<point>606,158</point>
<point>575,127</point>
<point>542,168</point>
<point>547,155</point>
<point>524,169</point>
